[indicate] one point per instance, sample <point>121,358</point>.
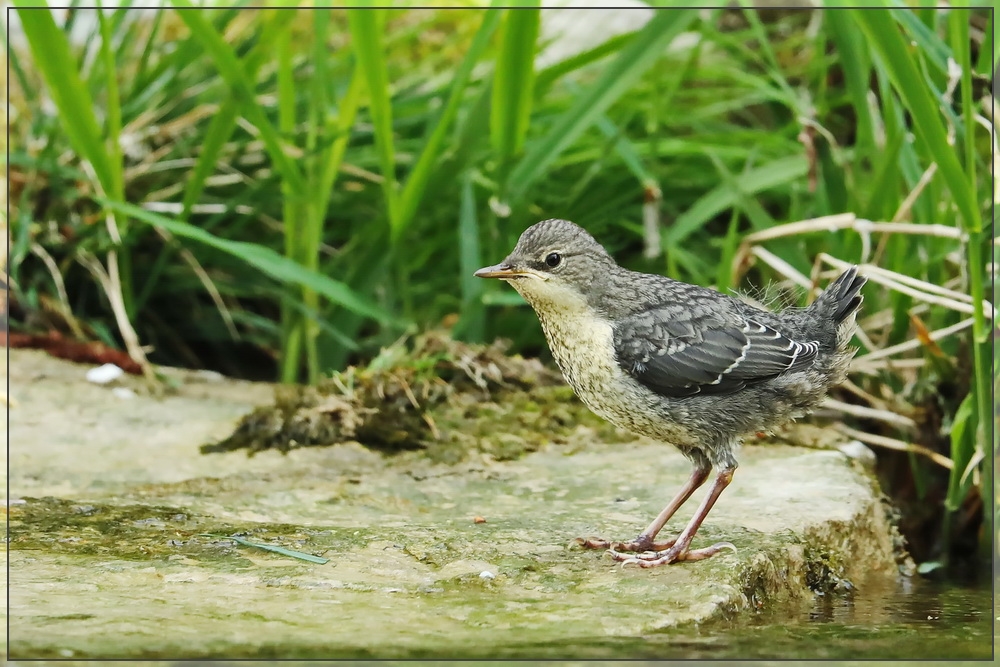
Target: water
<point>912,618</point>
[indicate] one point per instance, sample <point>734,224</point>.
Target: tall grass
<point>301,187</point>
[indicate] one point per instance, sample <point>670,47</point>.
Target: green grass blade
<point>310,314</point>
<point>513,81</point>
<point>885,180</point>
<point>855,59</point>
<point>27,90</point>
<point>269,262</point>
<point>626,150</point>
<point>546,77</point>
<point>223,123</point>
<point>114,112</point>
<point>338,126</point>
<point>963,448</point>
<point>366,33</point>
<point>645,48</point>
<point>292,219</point>
<point>60,70</point>
<point>294,327</point>
<point>986,64</point>
<point>884,35</point>
<point>242,87</point>
<point>931,45</point>
<point>416,182</point>
<point>730,244</point>
<point>472,324</point>
<point>779,172</point>
<point>958,24</point>
<point>152,40</point>
<point>747,203</point>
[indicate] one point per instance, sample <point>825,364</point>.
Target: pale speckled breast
<point>583,347</point>
<point>582,343</point>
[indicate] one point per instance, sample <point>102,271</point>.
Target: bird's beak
<point>505,271</point>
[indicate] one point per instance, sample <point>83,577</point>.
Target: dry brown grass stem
<point>905,206</point>
<point>878,414</point>
<point>781,266</point>
<point>885,364</point>
<point>110,281</point>
<point>915,343</point>
<point>839,221</point>
<point>927,292</point>
<point>869,398</point>
<point>898,445</point>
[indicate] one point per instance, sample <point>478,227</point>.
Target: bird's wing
<point>676,353</point>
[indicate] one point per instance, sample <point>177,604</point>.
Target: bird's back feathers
<point>677,355</point>
<point>682,348</point>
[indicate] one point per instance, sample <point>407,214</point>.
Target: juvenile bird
<point>683,364</point>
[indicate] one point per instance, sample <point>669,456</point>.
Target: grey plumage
<point>673,361</point>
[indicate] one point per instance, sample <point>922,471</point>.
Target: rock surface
<point>111,503</point>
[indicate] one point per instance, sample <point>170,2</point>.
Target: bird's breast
<point>583,347</point>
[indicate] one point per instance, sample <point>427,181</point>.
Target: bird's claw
<point>630,561</point>
<point>638,545</point>
<point>725,545</point>
<point>592,543</point>
<point>668,556</point>
<point>632,558</point>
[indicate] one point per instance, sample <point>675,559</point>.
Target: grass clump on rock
<point>427,392</point>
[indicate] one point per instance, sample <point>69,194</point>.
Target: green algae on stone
<point>437,394</point>
<point>135,532</point>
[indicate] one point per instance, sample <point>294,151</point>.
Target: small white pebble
<point>205,375</point>
<point>123,393</point>
<point>855,449</point>
<point>486,574</point>
<point>104,374</point>
<point>66,653</point>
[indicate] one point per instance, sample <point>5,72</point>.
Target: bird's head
<point>555,263</point>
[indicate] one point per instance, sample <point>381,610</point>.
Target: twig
<point>206,281</point>
<point>111,282</point>
<point>67,312</point>
<point>873,367</point>
<point>833,223</point>
<point>886,318</point>
<point>886,416</point>
<point>918,284</point>
<point>881,276</point>
<point>781,266</point>
<point>907,204</point>
<point>914,344</point>
<point>898,445</point>
<point>871,399</point>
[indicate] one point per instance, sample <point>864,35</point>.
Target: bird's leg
<point>680,549</point>
<point>644,542</point>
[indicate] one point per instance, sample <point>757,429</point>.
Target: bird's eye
<point>553,259</point>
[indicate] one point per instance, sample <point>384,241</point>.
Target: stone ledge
<point>116,568</point>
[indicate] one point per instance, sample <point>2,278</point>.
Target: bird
<point>679,363</point>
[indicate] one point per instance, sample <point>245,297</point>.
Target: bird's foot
<point>670,555</point>
<point>637,545</point>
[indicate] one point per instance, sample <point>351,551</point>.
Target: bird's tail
<point>842,298</point>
